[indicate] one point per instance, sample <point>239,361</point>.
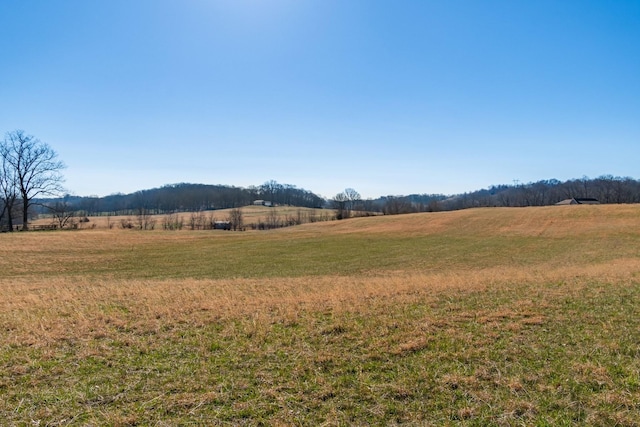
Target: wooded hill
<point>606,189</point>
<point>186,197</point>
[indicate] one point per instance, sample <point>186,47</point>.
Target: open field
<point>252,215</point>
<point>522,316</point>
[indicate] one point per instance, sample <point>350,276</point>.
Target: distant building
<point>579,201</point>
<point>222,225</point>
<point>262,203</point>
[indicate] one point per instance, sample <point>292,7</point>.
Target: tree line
<point>606,189</point>
<point>185,197</point>
<point>31,183</point>
<point>348,203</point>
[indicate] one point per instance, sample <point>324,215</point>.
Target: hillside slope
<point>549,237</point>
<point>549,221</point>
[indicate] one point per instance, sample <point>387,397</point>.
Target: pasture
<point>514,316</point>
<point>252,216</point>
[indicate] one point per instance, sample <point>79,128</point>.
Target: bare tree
<point>272,219</point>
<point>62,213</point>
<point>172,222</point>
<point>145,219</point>
<point>397,205</point>
<point>353,196</point>
<point>340,203</point>
<point>37,169</point>
<point>271,189</point>
<point>8,192</point>
<point>197,221</point>
<point>345,202</point>
<point>235,218</point>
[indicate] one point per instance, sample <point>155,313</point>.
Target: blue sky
<point>387,97</point>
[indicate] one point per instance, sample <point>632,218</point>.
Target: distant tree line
<point>200,197</point>
<point>186,198</point>
<point>606,189</point>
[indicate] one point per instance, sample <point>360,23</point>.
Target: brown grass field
<point>251,215</point>
<point>520,316</point>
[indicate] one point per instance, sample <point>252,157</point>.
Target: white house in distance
<point>262,203</point>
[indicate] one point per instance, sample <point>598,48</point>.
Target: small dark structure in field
<point>222,225</point>
<point>579,201</point>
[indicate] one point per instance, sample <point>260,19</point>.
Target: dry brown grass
<point>38,310</point>
<point>251,214</point>
<point>549,221</point>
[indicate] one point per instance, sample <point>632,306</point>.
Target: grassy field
<point>479,317</point>
<point>252,216</point>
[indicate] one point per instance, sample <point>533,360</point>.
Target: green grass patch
<point>469,358</point>
<point>205,255</point>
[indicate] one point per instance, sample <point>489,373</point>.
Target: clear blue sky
<point>387,97</point>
